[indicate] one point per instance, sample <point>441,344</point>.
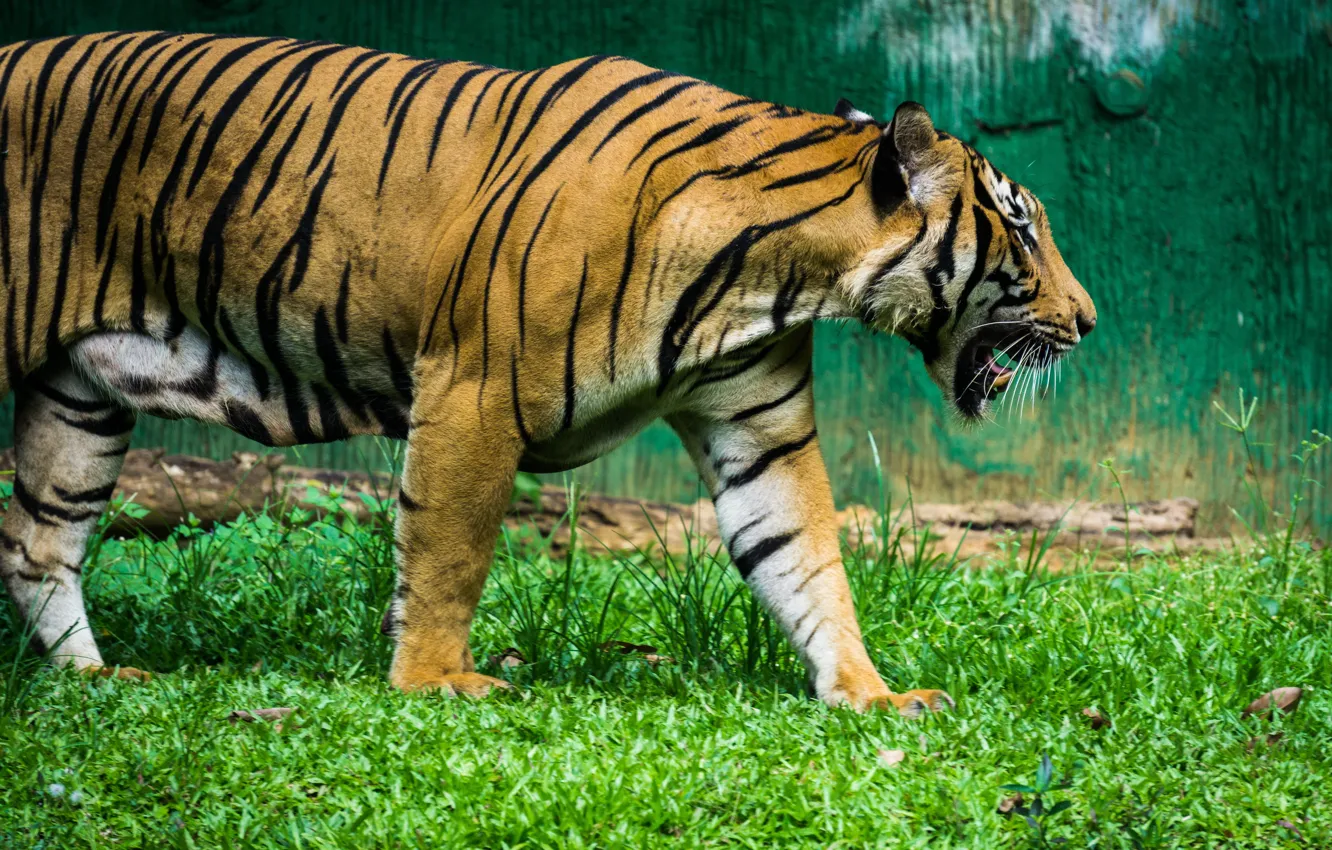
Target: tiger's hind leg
<point>69,446</point>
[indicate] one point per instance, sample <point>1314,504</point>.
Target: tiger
<point>509,270</point>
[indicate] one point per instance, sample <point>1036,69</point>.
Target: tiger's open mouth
<point>984,370</point>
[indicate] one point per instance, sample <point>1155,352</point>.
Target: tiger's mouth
<point>985,367</point>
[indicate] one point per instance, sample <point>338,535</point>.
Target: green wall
<point>1181,148</point>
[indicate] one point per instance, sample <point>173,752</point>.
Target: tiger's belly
<point>590,440</point>
<point>193,377</point>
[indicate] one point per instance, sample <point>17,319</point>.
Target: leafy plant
<point>1037,814</point>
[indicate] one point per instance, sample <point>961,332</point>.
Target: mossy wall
<point>1181,147</point>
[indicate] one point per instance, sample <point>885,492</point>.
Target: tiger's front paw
<point>472,685</point>
<point>865,691</point>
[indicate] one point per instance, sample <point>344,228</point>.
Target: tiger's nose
<point>1086,324</point>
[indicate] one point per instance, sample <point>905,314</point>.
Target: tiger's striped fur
<point>508,269</point>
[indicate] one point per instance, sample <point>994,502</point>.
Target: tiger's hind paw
<point>133,674</point>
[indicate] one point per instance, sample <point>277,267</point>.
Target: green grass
<point>722,748</point>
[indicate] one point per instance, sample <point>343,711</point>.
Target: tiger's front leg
<point>457,482</point>
<point>760,458</point>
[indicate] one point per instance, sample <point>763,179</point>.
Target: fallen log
<point>171,488</point>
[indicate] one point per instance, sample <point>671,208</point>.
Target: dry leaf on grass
<point>1008,804</point>
<point>273,715</point>
<point>1098,720</point>
<point>648,653</point>
<point>1272,740</point>
<point>508,657</point>
<point>1286,699</point>
<point>892,758</point>
<point>1285,824</point>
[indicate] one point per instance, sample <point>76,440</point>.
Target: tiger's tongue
<point>1002,375</point>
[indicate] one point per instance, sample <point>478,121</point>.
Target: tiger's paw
<point>917,702</point>
<point>472,685</point>
<point>133,674</point>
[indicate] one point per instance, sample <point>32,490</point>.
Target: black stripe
<point>462,277</point>
<point>452,98</point>
<point>398,371</point>
<point>104,282</point>
<point>658,136</point>
<point>74,75</point>
<point>984,234</point>
<point>753,557</point>
<point>280,159</point>
<point>57,52</point>
<point>569,353</point>
<point>688,313</point>
<point>299,76</point>
<point>132,88</point>
<point>222,117</point>
<point>434,317</point>
<point>504,95</point>
<point>508,127</point>
<point>157,238</point>
<point>763,461</point>
<point>247,423</point>
<point>94,495</point>
<point>800,385</point>
<point>339,108</point>
<point>417,69</point>
<point>517,405</point>
<point>522,269</point>
<point>939,274</point>
<point>711,134</point>
<point>651,106</point>
<point>407,503</point>
<point>785,299</point>
<point>352,66</point>
<point>578,126</point>
<point>114,424</point>
<point>35,235</point>
<point>212,244</point>
<point>476,102</point>
<point>69,402</point>
<point>331,426</point>
<point>429,71</point>
<point>335,372</point>
<point>150,40</point>
<point>713,376</point>
<point>621,289</point>
<point>223,64</point>
<point>808,176</point>
<point>552,94</point>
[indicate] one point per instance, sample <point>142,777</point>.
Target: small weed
<point>1038,815</point>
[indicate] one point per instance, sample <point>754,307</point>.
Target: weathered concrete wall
<point>1181,147</point>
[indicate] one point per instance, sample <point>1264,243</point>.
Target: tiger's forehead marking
<point>1009,199</point>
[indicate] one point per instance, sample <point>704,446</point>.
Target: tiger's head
<point>961,262</point>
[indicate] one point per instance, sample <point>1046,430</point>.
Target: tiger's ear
<point>906,141</point>
<point>844,109</point>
